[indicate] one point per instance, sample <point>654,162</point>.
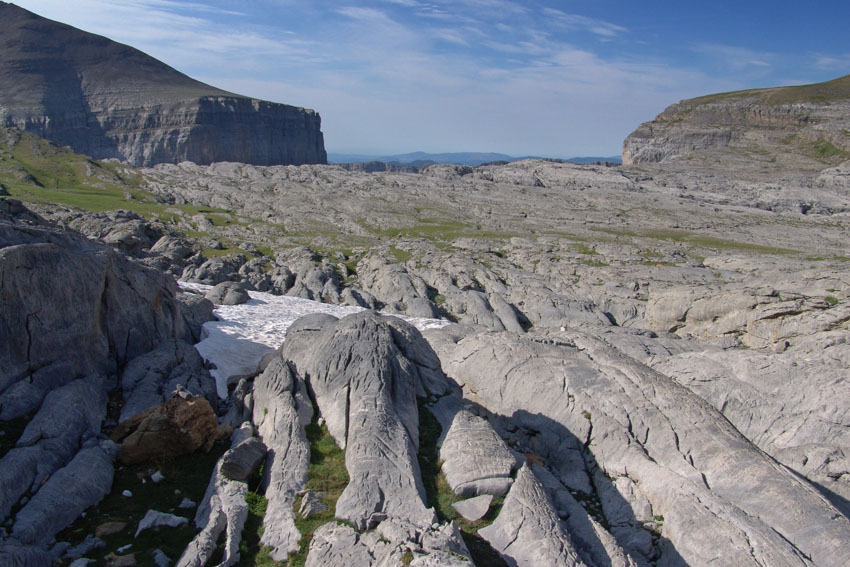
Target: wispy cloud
<point>439,71</point>
<point>736,57</point>
<point>836,62</point>
<point>576,21</point>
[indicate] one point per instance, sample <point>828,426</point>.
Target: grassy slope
<point>829,91</point>
<point>36,171</point>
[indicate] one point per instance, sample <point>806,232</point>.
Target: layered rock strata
<point>108,100</point>
<point>798,126</point>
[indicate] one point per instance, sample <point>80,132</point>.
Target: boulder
<point>104,311</point>
<point>312,503</point>
<point>595,545</point>
<point>281,410</point>
<point>223,509</point>
<point>365,388</point>
<point>475,459</point>
<point>156,519</point>
<point>213,271</point>
<point>176,427</point>
<point>80,484</point>
<point>228,293</point>
<point>88,545</point>
<point>157,376</point>
<point>196,310</point>
<point>617,418</point>
<point>68,416</point>
<point>528,532</point>
<point>15,555</point>
<point>394,542</point>
<point>475,508</point>
<point>240,461</point>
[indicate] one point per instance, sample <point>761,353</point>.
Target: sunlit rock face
<point>794,128</point>
<point>109,100</point>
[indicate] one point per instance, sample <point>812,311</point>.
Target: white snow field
<point>245,333</point>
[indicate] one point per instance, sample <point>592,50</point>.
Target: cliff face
<point>806,126</point>
<point>109,100</point>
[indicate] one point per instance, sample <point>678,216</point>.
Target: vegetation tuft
<point>185,477</point>
<point>36,171</point>
<point>327,474</point>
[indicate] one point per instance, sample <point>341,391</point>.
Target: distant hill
<point>796,127</point>
<point>459,158</point>
<point>109,100</point>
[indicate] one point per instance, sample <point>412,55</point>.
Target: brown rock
<point>109,528</point>
<point>176,427</point>
<point>113,560</point>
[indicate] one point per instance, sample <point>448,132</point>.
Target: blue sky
<point>556,79</point>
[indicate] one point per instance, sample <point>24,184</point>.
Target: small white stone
<point>157,477</point>
<point>124,548</point>
<point>127,494</point>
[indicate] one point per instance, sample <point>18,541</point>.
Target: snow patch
<point>245,333</point>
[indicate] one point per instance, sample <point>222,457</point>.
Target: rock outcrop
<point>103,311</point>
<point>365,387</point>
<point>108,100</point>
<point>223,510</point>
<point>648,448</point>
<point>281,409</point>
<point>795,126</point>
<point>176,427</point>
<point>528,531</point>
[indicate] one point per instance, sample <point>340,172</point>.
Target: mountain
<point>457,158</point>
<point>109,100</point>
<point>798,127</point>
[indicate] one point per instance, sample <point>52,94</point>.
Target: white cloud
<point>836,62</point>
<point>576,21</point>
<point>468,75</point>
<point>733,56</point>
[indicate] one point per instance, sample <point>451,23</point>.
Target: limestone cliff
<point>802,127</point>
<point>110,100</point>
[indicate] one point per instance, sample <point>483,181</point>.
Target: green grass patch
<point>825,151</point>
<point>829,91</point>
<point>831,299</point>
<point>188,474</point>
<point>400,256</point>
<point>438,230</point>
<point>326,474</point>
<point>441,497</point>
<point>701,240</point>
<point>36,171</point>
<point>584,249</point>
<point>828,258</point>
<point>593,263</point>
